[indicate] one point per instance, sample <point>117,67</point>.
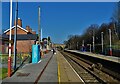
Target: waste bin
<point>35,53</point>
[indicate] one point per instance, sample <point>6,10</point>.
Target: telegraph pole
<point>39,23</point>
<point>10,48</point>
<point>15,37</point>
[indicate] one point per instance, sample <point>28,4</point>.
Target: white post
<point>10,48</point>
<point>77,45</point>
<point>102,40</point>
<point>10,28</point>
<point>83,43</point>
<point>93,43</point>
<point>110,42</point>
<point>41,47</point>
<point>39,24</point>
<point>41,34</point>
<point>90,47</point>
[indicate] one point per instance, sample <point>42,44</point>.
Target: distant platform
<point>104,57</point>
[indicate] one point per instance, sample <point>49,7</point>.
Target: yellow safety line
<point>58,73</point>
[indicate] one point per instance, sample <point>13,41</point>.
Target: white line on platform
<point>75,71</point>
<point>39,61</point>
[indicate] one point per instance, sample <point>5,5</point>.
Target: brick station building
<point>25,38</point>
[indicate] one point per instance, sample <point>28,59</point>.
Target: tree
<point>116,18</point>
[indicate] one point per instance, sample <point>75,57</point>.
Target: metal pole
<point>47,43</point>
<point>110,42</point>
<point>93,40</point>
<point>116,31</point>
<point>83,43</point>
<point>93,44</point>
<point>41,34</point>
<point>70,45</point>
<point>77,45</point>
<point>10,48</point>
<point>39,24</point>
<point>15,38</point>
<point>102,40</point>
<point>90,47</point>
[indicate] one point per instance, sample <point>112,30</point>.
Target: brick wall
<point>24,46</point>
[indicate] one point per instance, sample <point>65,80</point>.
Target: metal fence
<point>22,59</point>
<point>98,50</point>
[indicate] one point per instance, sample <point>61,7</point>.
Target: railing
<point>22,59</point>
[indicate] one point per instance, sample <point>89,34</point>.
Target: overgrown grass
<point>4,60</point>
<point>3,73</point>
<point>20,57</point>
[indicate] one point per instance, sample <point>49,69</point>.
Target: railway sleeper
<point>89,78</point>
<point>90,81</point>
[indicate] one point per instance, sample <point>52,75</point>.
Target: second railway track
<point>87,71</point>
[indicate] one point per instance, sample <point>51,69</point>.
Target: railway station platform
<point>104,57</point>
<point>50,69</point>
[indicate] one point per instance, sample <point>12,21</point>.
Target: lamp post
<point>102,40</point>
<point>10,48</point>
<point>110,51</point>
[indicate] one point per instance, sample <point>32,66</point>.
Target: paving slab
<point>50,73</point>
<point>29,72</point>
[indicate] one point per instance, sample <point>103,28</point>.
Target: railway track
<point>87,71</point>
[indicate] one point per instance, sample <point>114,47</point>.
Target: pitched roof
<point>14,27</point>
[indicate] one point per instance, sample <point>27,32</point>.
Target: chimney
<point>29,29</point>
<point>33,32</point>
<point>19,22</point>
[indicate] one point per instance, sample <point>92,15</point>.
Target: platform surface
<point>32,69</point>
<point>54,69</point>
<point>109,58</point>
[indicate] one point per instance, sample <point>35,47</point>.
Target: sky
<point>60,19</point>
